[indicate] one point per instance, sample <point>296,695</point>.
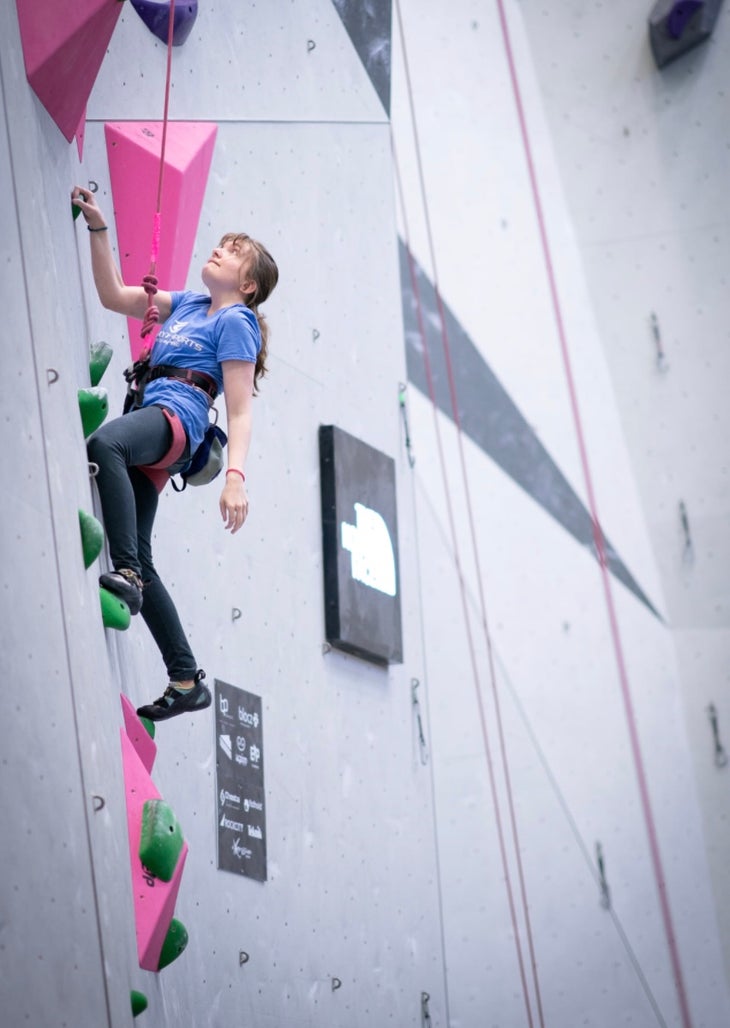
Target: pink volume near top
<point>63,48</point>
<point>133,151</point>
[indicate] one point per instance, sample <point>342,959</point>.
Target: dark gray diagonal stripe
<point>369,27</point>
<point>491,419</point>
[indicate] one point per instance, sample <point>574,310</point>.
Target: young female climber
<point>221,338</point>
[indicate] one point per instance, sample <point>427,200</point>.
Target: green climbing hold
<point>161,839</point>
<point>139,1002</point>
<point>92,537</point>
<point>99,356</point>
<point>75,210</point>
<point>175,942</point>
<point>114,612</point>
<point>94,407</point>
<point>149,726</point>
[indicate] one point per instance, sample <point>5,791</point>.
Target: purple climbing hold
<point>678,26</point>
<point>680,15</point>
<point>156,16</point>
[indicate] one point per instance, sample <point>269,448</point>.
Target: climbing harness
<point>199,379</point>
<point>139,374</point>
<point>207,461</point>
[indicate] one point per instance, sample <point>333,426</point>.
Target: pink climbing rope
<point>149,282</point>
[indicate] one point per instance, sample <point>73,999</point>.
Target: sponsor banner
<point>241,816</point>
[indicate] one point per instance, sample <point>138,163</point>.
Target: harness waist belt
<point>196,378</point>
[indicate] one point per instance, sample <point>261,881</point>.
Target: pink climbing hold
<point>63,48</point>
<point>133,150</point>
<point>80,134</point>
<point>138,735</point>
<point>156,16</point>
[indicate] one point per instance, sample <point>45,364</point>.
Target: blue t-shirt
<point>191,339</point>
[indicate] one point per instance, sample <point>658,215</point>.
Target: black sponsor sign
<point>360,548</point>
<point>239,751</point>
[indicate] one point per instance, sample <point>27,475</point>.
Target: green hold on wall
<point>139,1002</point>
<point>92,537</point>
<point>149,726</point>
<point>161,839</point>
<point>99,356</point>
<point>175,942</point>
<point>114,612</point>
<point>94,407</point>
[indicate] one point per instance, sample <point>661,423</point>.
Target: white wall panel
<point>284,61</point>
<point>644,159</point>
<point>572,772</point>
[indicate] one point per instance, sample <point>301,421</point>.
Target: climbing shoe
<point>177,701</point>
<point>127,585</point>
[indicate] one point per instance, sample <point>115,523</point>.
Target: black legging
<point>129,504</point>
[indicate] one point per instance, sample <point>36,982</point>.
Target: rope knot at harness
<point>152,314</point>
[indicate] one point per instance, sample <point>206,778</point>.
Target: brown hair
<point>262,270</point>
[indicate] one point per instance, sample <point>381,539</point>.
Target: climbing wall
<point>470,834</point>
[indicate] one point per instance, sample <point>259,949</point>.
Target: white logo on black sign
<point>226,822</point>
<point>372,560</point>
<point>248,719</point>
<point>240,851</point>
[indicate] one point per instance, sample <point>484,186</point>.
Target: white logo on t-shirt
<point>178,326</point>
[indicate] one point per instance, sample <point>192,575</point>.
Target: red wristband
<point>235,471</point>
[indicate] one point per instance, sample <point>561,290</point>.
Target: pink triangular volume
<point>133,150</point>
<point>138,735</point>
<point>63,47</point>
